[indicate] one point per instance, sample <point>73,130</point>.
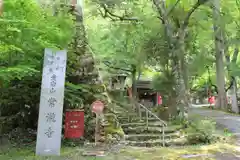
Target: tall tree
<point>176,34</point>
<point>233,78</point>
<point>219,54</point>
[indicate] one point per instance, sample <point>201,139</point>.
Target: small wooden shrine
<point>146,94</point>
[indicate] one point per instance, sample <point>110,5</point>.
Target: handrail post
<point>139,111</point>
<point>163,136</point>
<point>147,117</point>
<point>140,105</point>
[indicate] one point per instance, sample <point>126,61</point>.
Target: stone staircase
<point>149,132</point>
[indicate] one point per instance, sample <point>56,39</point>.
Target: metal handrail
<point>155,116</point>
<point>149,112</point>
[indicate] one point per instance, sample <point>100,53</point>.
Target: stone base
<point>93,153</point>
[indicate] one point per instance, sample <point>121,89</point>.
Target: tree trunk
<point>233,89</point>
<point>172,107</point>
<point>234,97</point>
<point>235,107</point>
<point>183,70</point>
<point>180,74</point>
<point>134,85</point>
<point>219,54</point>
<point>134,98</point>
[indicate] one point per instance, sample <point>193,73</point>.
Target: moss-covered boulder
<point>113,130</point>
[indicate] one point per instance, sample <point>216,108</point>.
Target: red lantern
<point>74,124</point>
<point>159,100</point>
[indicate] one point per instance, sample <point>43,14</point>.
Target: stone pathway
<point>226,120</point>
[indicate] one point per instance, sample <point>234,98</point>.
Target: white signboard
<point>51,103</point>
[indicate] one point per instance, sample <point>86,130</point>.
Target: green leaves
<point>234,69</point>
<point>17,72</point>
<point>26,29</point>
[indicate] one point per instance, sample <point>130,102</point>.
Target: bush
<point>201,131</point>
<point>161,112</point>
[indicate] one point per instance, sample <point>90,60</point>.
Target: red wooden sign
<point>97,107</point>
<point>74,124</point>
<point>159,100</point>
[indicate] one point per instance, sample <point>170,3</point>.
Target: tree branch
<point>231,84</point>
<point>173,7</point>
<point>191,11</point>
<point>226,89</point>
<point>101,13</point>
<point>160,11</point>
<point>235,55</point>
<point>215,88</point>
<point>161,19</point>
<point>109,14</point>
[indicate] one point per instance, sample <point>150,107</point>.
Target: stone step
<point>136,119</point>
<point>143,129</point>
<point>121,109</point>
<point>126,114</point>
<point>145,137</point>
<point>159,142</point>
<point>150,124</point>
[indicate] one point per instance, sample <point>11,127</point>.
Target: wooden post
<point>139,111</point>
<point>96,129</point>
<point>1,7</point>
<point>97,108</point>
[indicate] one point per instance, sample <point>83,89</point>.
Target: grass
<point>128,153</point>
<point>27,153</point>
<point>178,153</point>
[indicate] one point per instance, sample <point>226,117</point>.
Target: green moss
<point>111,130</point>
<point>113,125</point>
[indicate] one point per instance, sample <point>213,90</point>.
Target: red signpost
<point>97,108</point>
<point>74,124</point>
